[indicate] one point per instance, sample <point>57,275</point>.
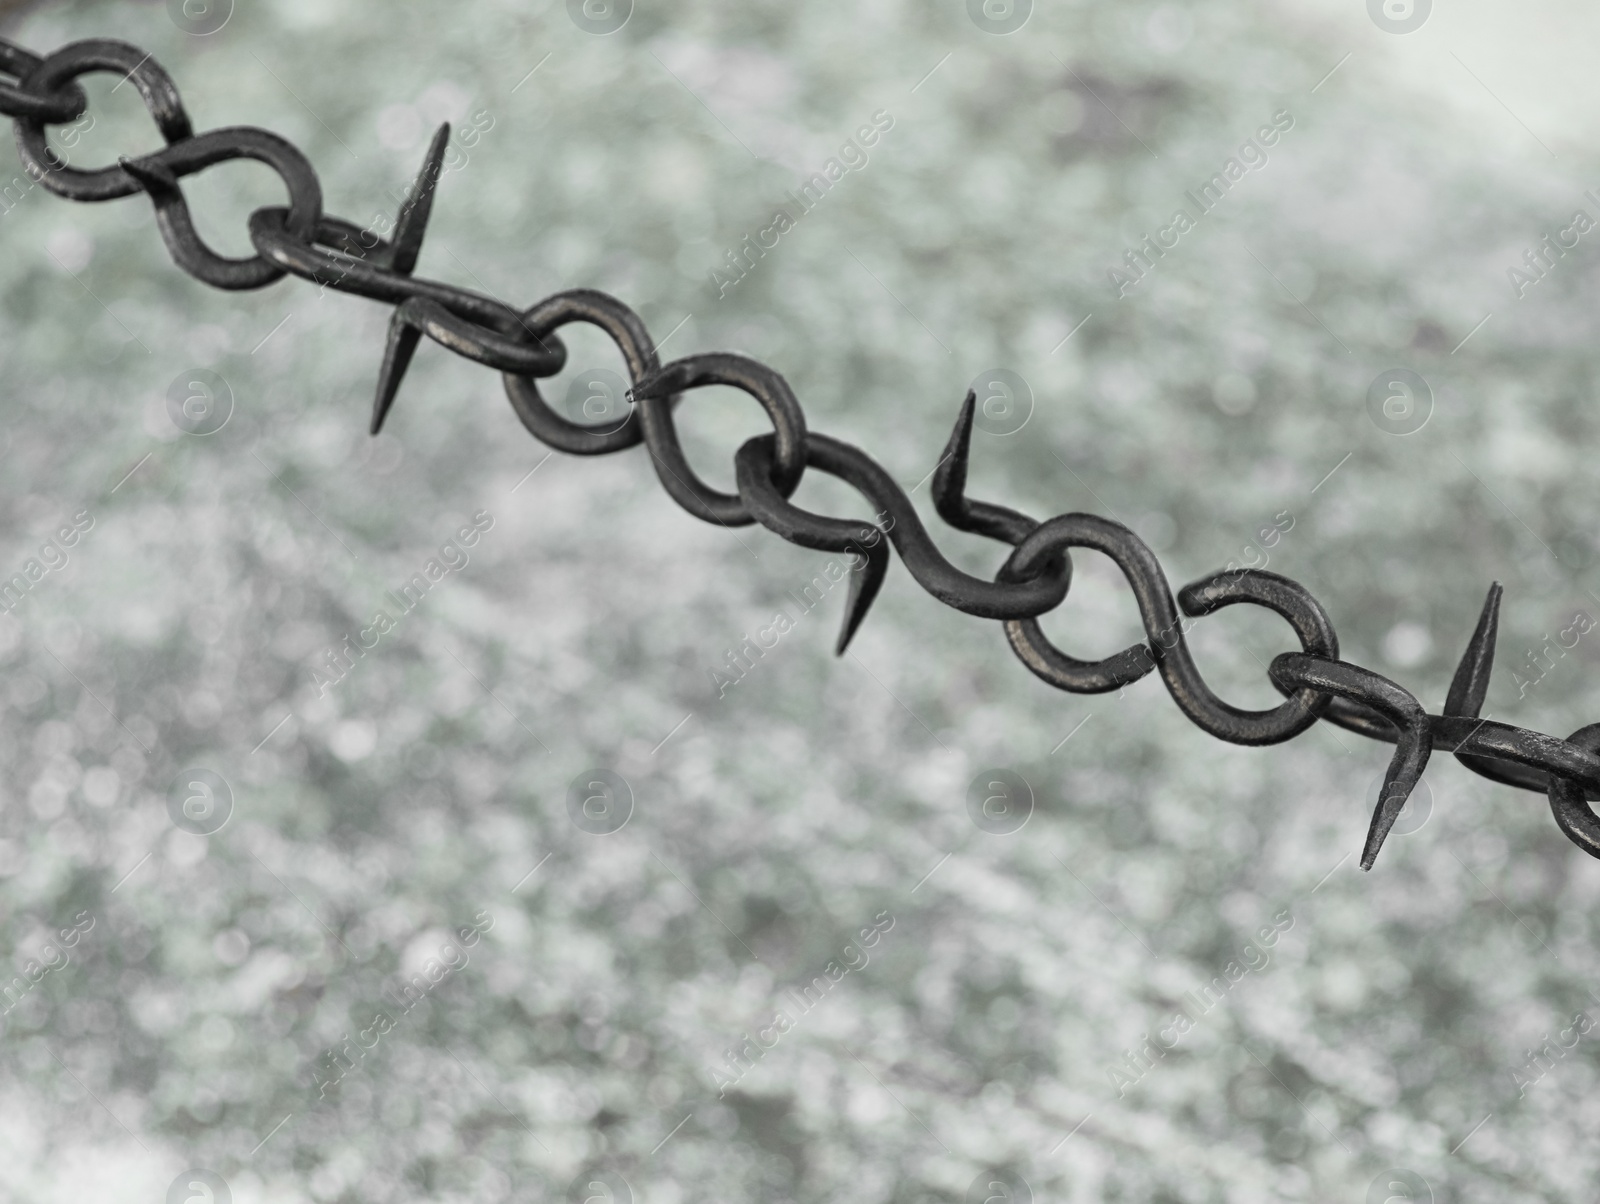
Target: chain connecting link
<point>301,240</point>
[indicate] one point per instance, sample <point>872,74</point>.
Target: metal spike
<point>1470,686</point>
<point>647,388</point>
<point>412,222</point>
<point>404,334</point>
<point>1398,782</point>
<point>156,178</point>
<point>950,478</point>
<point>866,579</point>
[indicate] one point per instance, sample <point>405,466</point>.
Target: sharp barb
<point>156,178</point>
<point>1470,686</point>
<point>651,386</point>
<point>403,338</point>
<point>950,478</point>
<point>1398,783</point>
<point>412,223</point>
<point>866,579</point>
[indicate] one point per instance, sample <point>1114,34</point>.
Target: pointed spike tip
<point>412,223</point>
<point>647,388</point>
<point>403,339</point>
<point>1470,685</point>
<point>950,477</point>
<point>866,579</point>
<point>1396,790</point>
<point>156,178</point>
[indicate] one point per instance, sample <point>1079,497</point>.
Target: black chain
<point>303,241</point>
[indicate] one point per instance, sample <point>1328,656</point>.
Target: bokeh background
<point>1381,1048</point>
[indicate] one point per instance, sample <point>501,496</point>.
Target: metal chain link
<point>301,240</point>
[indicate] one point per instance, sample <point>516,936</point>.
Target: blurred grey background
<point>198,971</point>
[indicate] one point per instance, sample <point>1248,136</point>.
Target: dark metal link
<point>654,399</point>
<point>1413,745</point>
<point>326,259</point>
<point>18,99</point>
<point>753,465</point>
<point>756,463</point>
<point>627,331</point>
<point>63,67</point>
<point>1167,648</point>
<point>303,241</point>
<point>158,175</point>
<point>1567,797</point>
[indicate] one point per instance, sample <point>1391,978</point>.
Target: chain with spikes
<point>303,241</point>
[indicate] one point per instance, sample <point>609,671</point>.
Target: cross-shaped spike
<point>409,228</point>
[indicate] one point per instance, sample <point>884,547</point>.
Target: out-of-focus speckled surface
<point>578,1048</point>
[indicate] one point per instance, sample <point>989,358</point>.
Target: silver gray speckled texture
<point>584,1033</point>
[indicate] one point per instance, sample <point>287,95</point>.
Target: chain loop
<point>654,401</point>
<point>19,100</point>
<point>627,331</point>
<point>158,175</point>
<point>63,67</point>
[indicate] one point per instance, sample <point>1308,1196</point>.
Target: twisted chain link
<point>303,241</point>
